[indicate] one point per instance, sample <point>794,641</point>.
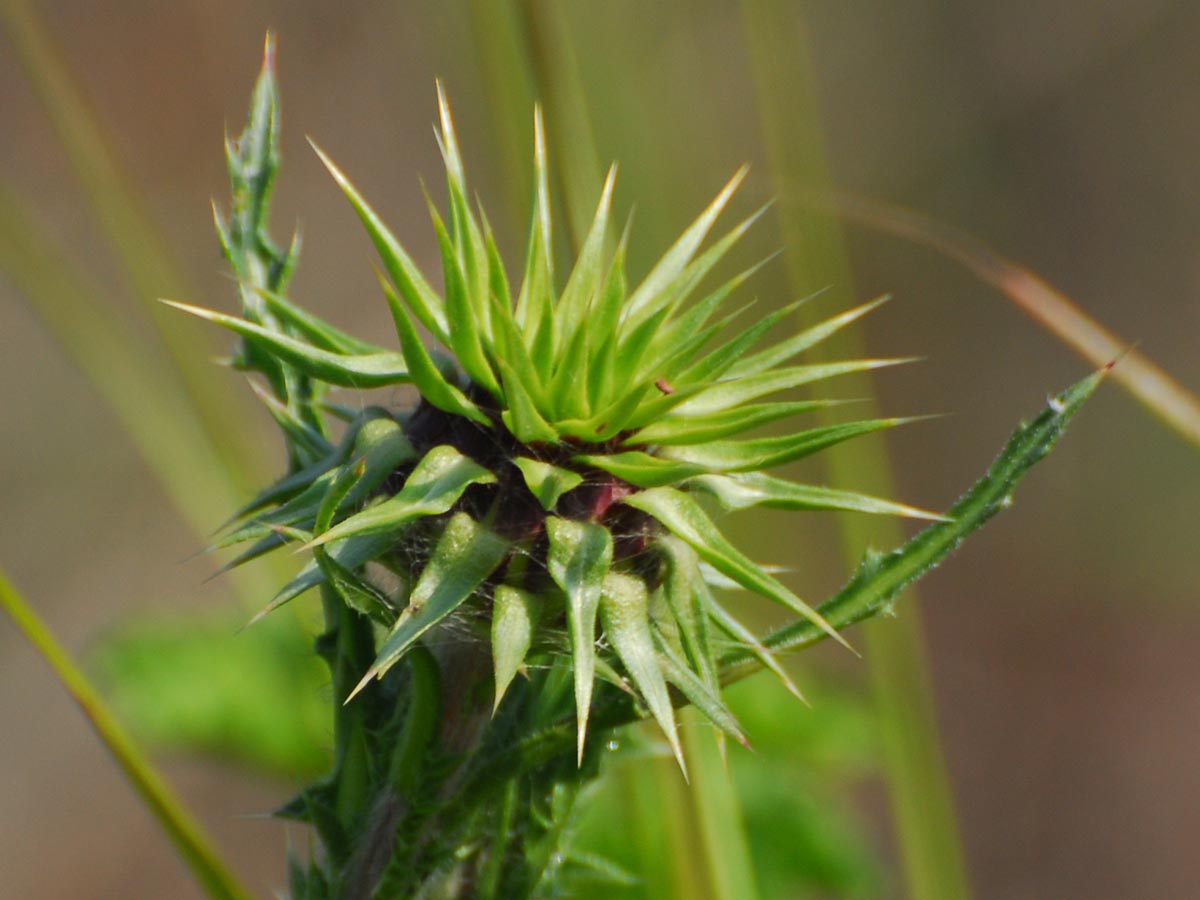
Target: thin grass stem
<point>816,257</point>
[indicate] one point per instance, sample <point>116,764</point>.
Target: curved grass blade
<point>184,832</point>
<point>1155,389</point>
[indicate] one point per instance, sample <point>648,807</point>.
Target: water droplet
<point>613,746</point>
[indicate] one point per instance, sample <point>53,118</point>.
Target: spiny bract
<point>544,489</point>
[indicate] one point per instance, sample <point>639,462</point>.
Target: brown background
<point>1065,133</point>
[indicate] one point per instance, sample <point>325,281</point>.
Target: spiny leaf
<point>640,468</point>
<point>764,453</point>
<point>625,614</point>
<point>433,487</point>
<point>515,615</point>
<point>534,311</point>
<point>421,298</point>
<point>747,642</point>
<point>697,693</point>
<point>678,430</point>
<point>379,443</point>
<point>296,430</point>
<point>728,394</point>
<point>464,313</point>
<point>468,237</point>
<point>793,346</point>
<point>522,417</point>
<point>715,364</point>
<point>367,371</point>
<point>350,554</point>
<point>465,555</point>
<point>680,254</point>
<point>578,558</point>
<point>425,375</point>
<point>316,331</point>
<point>357,593</point>
<point>681,590</point>
<point>747,489</point>
<point>584,281</point>
<point>684,518</point>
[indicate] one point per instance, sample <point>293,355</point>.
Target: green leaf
<point>522,417</point>
<point>640,468</point>
<point>468,238</point>
<point>350,554</point>
<point>316,331</point>
<point>547,482</point>
<point>367,371</point>
<point>747,489</point>
<point>426,376</point>
<point>747,642</point>
<point>578,558</point>
<point>465,312</point>
<point>625,615</point>
<point>677,430</point>
<point>379,444</point>
<point>764,453</point>
<point>713,365</point>
<point>793,346</point>
<point>297,432</point>
<point>584,282</point>
<point>466,554</point>
<point>727,394</point>
<point>697,693</point>
<point>513,361</point>
<point>880,578</point>
<point>608,422</point>
<point>681,589</point>
<point>534,311</point>
<point>681,252</point>
<point>421,298</point>
<point>357,593</point>
<point>684,518</point>
<point>515,614</point>
<point>433,487</point>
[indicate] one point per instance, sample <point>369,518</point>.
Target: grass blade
<point>184,832</point>
<point>1163,396</point>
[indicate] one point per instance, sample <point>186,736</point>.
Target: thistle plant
<point>526,557</point>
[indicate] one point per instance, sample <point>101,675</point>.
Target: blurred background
<point>1061,641</point>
